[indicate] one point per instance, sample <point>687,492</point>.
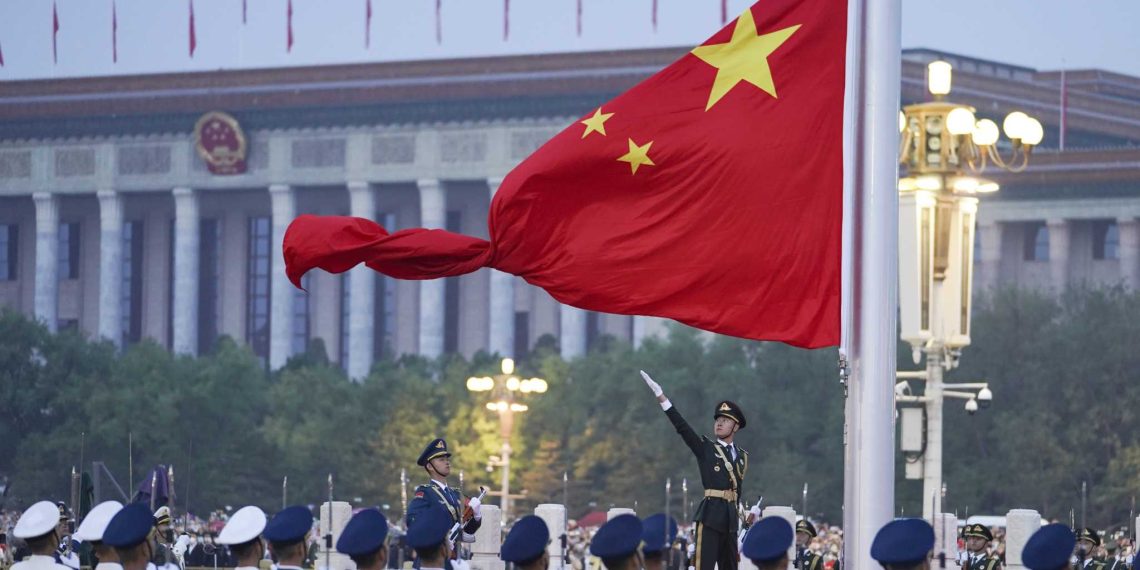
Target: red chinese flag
<point>710,193</point>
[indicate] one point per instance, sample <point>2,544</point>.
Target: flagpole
<point>871,148</point>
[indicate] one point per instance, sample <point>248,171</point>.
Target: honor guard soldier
<point>525,546</point>
<point>767,544</point>
<point>243,535</point>
<point>364,539</point>
<point>286,533</point>
<point>618,543</point>
<point>427,535</point>
<point>978,538</point>
<point>722,465</point>
<point>904,544</point>
<point>39,527</point>
<point>657,542</point>
<point>1049,548</point>
<point>436,460</point>
<point>1087,541</point>
<point>805,558</point>
<point>91,531</point>
<point>65,554</point>
<point>164,542</point>
<point>131,534</point>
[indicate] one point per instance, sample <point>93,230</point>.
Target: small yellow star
<point>743,58</point>
<point>596,123</point>
<point>637,156</point>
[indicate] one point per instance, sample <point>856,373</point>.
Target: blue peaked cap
<point>653,533</point>
<point>290,525</point>
<point>903,541</point>
<point>526,541</point>
<point>129,527</point>
<point>430,527</point>
<point>1049,548</point>
<point>364,533</point>
<point>619,537</point>
<point>768,540</point>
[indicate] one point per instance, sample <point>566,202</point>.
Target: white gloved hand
<point>655,387</point>
<point>180,546</point>
<point>476,507</point>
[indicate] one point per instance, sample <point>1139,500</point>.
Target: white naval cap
<point>245,525</point>
<point>93,525</point>
<point>40,519</point>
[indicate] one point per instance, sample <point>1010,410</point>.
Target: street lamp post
<point>505,389</point>
<point>943,150</point>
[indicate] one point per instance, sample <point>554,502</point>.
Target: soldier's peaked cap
<point>1089,535</point>
<point>978,530</point>
<point>730,410</point>
<point>1049,548</point>
<point>903,542</point>
<point>804,525</point>
<point>437,448</point>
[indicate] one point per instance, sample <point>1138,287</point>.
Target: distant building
<point>111,222</point>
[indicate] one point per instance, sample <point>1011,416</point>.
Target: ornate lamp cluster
<point>943,145</point>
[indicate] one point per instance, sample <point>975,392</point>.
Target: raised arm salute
<point>723,465</point>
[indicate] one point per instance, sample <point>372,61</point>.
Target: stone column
<point>47,260</point>
<point>990,234</point>
<point>502,309</point>
<point>555,518</point>
<point>110,266</point>
<point>788,514</point>
<point>361,292</point>
<point>336,520</point>
<point>946,537</point>
<point>572,332</point>
<point>284,205</point>
<point>433,215</point>
<point>1129,231</point>
<point>1020,524</point>
<point>185,304</point>
<point>618,511</point>
<point>488,541</point>
<point>1059,253</point>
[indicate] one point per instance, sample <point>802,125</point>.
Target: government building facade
<point>115,221</point>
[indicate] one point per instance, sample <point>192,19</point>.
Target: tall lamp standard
<point>506,389</point>
<point>943,150</point>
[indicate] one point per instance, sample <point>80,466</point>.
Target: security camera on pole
<point>943,147</point>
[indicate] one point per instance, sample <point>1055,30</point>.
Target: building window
<point>131,294</point>
<point>9,250</point>
<point>1036,242</point>
<point>69,250</point>
<point>522,334</point>
<point>300,336</point>
<point>1106,240</point>
<point>257,290</point>
<point>209,283</point>
<point>451,294</point>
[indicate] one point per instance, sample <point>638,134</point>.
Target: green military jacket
<point>808,560</point>
<point>717,514</point>
<point>990,562</point>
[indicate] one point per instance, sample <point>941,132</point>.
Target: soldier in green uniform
<point>1087,541</point>
<point>805,558</point>
<point>978,538</point>
<point>722,465</point>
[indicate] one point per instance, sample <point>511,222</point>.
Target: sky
<point>153,35</point>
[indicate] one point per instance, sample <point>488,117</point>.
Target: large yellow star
<point>743,58</point>
<point>596,123</point>
<point>637,156</point>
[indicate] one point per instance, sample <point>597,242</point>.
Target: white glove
<point>180,546</point>
<point>476,507</point>
<point>655,387</point>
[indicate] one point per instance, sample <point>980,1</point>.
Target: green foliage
<point>1062,370</point>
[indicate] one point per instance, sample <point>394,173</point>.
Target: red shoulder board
<point>419,494</point>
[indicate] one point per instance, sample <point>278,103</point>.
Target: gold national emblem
<point>220,142</point>
<point>724,407</point>
<point>439,445</point>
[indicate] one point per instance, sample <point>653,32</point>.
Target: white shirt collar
<point>441,484</point>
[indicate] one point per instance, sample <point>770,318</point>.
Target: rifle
<point>457,528</point>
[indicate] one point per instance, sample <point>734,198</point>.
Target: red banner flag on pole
<point>289,26</point>
<point>114,33</point>
<point>697,195</point>
<point>54,33</point>
<point>193,32</point>
<point>438,21</point>
<point>367,24</point>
